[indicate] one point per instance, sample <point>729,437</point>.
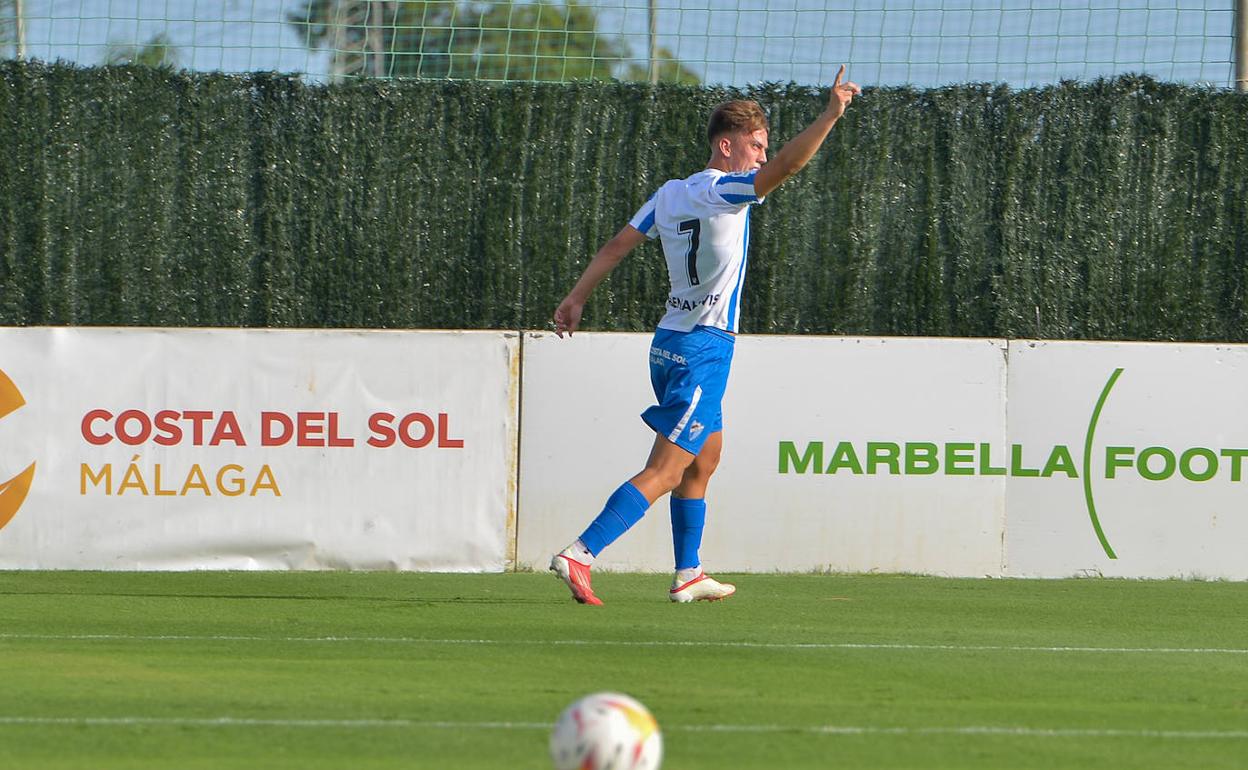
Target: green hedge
<point>1111,210</point>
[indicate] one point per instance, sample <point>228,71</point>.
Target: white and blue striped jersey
<point>703,223</point>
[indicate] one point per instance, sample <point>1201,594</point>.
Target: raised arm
<point>568,314</point>
<point>798,151</point>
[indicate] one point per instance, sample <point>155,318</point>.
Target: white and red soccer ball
<point>606,731</point>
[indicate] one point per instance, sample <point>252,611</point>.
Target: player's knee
<point>671,478</point>
<point>699,471</point>
<point>666,474</point>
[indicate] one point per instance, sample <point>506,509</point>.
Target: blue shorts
<point>689,372</point>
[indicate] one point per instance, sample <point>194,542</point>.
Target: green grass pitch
<point>468,672</point>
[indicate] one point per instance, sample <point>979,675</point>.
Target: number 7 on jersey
<point>694,228</point>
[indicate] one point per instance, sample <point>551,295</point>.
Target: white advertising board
<point>845,454</point>
<point>232,449</point>
<point>582,437</point>
<point>1157,441</point>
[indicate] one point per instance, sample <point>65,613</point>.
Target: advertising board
<point>231,449</point>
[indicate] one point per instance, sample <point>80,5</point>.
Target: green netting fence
<point>134,196</point>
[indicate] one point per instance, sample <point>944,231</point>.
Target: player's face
<point>748,150</point>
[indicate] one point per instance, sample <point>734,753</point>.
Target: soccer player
<point>703,224</point>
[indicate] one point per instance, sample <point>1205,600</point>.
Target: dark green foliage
<point>128,195</point>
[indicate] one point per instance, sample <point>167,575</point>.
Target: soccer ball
<point>606,731</point>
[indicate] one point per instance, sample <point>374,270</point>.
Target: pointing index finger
<point>839,74</point>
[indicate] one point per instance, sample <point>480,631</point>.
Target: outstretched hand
<point>568,316</point>
<point>842,94</point>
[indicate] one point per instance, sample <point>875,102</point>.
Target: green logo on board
<point>967,458</point>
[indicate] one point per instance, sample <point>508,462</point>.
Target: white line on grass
<point>355,724</point>
<point>622,643</point>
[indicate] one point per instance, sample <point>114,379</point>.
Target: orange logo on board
<point>12,492</point>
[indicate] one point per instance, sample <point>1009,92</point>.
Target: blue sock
<point>624,508</point>
<point>688,518</point>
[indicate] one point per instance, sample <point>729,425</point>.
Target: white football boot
<point>702,588</point>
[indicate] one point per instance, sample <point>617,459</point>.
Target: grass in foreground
<point>467,672</point>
